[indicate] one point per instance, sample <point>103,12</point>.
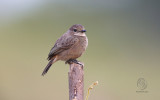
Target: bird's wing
<point>63,43</point>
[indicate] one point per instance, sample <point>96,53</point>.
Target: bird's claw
<point>71,61</point>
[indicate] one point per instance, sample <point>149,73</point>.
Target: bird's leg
<point>70,61</point>
<point>77,62</point>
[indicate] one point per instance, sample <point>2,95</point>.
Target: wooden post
<point>76,84</point>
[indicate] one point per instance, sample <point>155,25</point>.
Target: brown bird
<point>68,47</point>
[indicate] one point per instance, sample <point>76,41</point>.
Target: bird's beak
<point>83,31</point>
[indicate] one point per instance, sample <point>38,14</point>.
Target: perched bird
<point>68,47</point>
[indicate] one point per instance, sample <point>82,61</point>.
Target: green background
<point>124,45</point>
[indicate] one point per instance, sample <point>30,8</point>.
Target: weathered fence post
<point>76,83</point>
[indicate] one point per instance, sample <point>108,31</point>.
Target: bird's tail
<point>47,67</point>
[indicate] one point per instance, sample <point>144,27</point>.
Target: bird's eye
<point>75,30</point>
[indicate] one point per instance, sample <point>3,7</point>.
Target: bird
<point>70,46</point>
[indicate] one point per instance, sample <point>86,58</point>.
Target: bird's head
<point>78,30</point>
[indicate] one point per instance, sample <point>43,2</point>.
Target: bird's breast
<point>76,50</point>
<point>80,47</point>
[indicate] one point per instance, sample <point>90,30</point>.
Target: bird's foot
<point>71,61</point>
